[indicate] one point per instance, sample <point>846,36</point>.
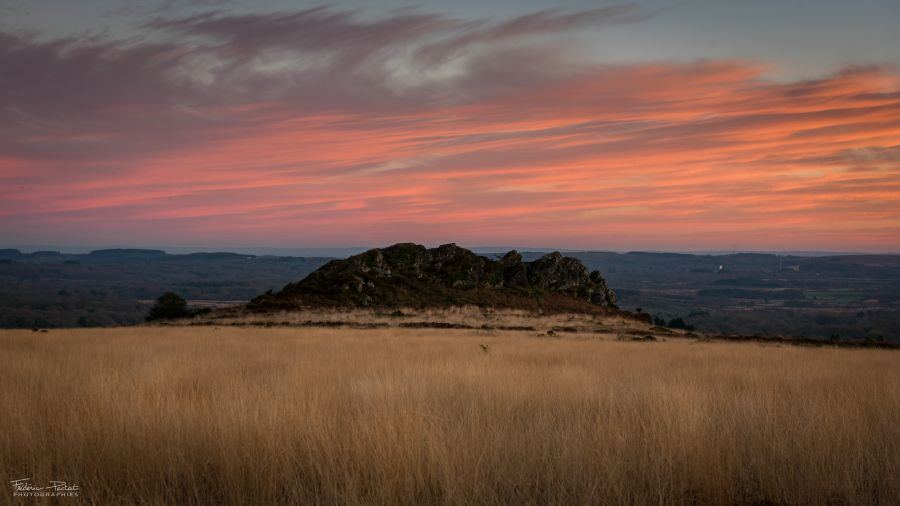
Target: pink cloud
<point>158,147</point>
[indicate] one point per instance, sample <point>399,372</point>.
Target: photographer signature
<point>24,485</point>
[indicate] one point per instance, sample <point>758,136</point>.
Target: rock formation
<point>410,275</point>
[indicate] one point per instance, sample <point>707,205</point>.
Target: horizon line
<point>351,250</point>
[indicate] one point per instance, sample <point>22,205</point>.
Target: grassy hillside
<point>228,415</point>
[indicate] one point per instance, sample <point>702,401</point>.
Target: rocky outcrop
<point>410,275</point>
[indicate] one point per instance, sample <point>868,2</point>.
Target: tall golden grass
<point>182,415</point>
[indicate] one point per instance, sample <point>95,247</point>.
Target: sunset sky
<point>689,125</point>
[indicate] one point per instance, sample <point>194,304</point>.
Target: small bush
<point>679,323</point>
<point>169,305</point>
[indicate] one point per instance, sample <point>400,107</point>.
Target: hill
<point>116,287</point>
<point>410,275</point>
<point>847,296</point>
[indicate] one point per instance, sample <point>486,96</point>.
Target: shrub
<point>679,323</point>
<point>169,305</point>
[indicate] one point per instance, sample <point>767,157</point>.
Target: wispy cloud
<point>344,128</point>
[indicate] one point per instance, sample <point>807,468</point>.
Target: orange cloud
<point>708,155</point>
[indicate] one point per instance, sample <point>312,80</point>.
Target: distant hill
<point>848,296</point>
<point>116,286</point>
<point>410,275</point>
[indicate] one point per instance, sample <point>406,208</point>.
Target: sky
<point>691,125</point>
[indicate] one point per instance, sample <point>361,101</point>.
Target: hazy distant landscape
<point>848,296</point>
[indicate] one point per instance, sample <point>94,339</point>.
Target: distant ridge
<point>127,251</point>
<point>410,275</point>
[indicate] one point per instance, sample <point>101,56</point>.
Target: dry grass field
<point>229,415</point>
